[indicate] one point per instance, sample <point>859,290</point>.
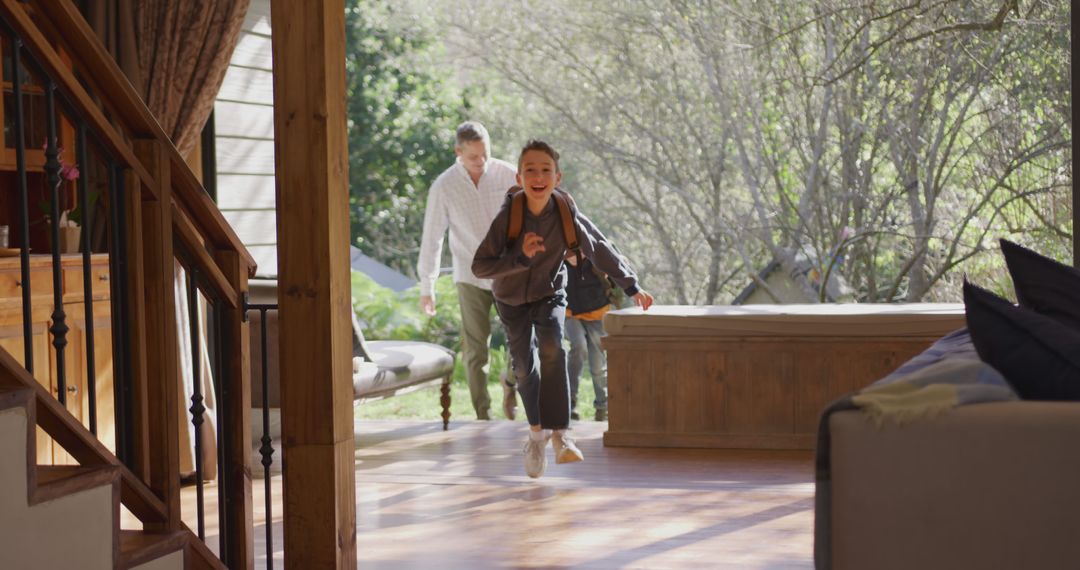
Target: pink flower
<point>69,171</point>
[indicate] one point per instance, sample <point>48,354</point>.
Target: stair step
<point>14,397</point>
<point>139,547</point>
<point>55,481</point>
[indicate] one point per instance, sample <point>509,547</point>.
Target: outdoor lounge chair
<point>381,368</point>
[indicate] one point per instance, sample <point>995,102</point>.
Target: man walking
<point>464,199</point>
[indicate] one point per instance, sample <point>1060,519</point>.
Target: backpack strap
<point>566,215</point>
<point>517,212</point>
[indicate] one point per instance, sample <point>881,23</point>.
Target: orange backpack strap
<point>517,212</point>
<point>566,214</point>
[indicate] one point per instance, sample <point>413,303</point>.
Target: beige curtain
<point>187,355</point>
<point>113,21</point>
<point>175,53</point>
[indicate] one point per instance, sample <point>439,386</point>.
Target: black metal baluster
<point>197,409</point>
<point>221,409</point>
<point>267,449</point>
<point>122,396</point>
<point>24,200</point>
<point>88,297</point>
<point>52,177</point>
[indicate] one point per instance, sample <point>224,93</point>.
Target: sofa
<point>985,486</point>
<point>968,455</point>
<point>380,368</point>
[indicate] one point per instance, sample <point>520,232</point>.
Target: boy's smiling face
<point>539,176</point>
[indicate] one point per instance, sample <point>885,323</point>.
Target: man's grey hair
<point>471,131</point>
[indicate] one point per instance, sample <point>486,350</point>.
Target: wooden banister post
<point>133,311</point>
<point>315,344</point>
<point>160,334</point>
<point>236,346</point>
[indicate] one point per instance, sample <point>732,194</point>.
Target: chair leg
<point>444,399</point>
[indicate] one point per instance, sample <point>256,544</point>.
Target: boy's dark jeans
<point>534,332</point>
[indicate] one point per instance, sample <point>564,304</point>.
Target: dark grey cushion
<point>1046,286</point>
<point>1039,356</point>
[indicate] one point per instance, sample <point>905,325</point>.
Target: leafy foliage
<point>901,138</point>
<point>387,315</point>
<point>402,114</point>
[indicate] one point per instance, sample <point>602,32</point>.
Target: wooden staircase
<point>67,516</point>
<point>159,217</point>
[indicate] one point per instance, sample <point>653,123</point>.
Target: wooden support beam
<point>134,311</point>
<point>236,473</point>
<point>313,283</point>
<point>162,361</point>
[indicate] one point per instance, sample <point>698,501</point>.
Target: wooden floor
<point>460,499</point>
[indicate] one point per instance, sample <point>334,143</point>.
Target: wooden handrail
<point>124,103</point>
<point>71,435</point>
<point>202,260</point>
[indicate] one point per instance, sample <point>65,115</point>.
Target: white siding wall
<point>244,124</point>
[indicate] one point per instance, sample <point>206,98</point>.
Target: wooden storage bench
<point>752,376</point>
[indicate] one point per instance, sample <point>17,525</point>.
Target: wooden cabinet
<point>35,134</point>
<point>77,374</point>
<point>39,196</point>
<point>34,113</point>
<point>12,338</point>
<point>78,368</point>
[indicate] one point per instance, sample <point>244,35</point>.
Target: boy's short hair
<point>541,146</point>
<point>471,131</point>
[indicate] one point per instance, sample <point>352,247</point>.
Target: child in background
<point>529,287</point>
<point>587,302</point>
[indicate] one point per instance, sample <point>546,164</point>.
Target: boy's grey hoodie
<point>520,280</point>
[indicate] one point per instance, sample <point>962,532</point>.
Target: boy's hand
<point>532,244</point>
<point>643,299</point>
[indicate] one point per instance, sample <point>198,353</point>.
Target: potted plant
<point>70,222</point>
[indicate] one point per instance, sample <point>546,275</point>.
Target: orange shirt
<point>591,315</point>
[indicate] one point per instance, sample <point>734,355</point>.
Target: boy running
<point>529,287</point>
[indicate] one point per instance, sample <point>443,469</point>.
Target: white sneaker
<point>535,458</point>
<point>566,451</point>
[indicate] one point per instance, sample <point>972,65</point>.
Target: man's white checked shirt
<point>455,203</point>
